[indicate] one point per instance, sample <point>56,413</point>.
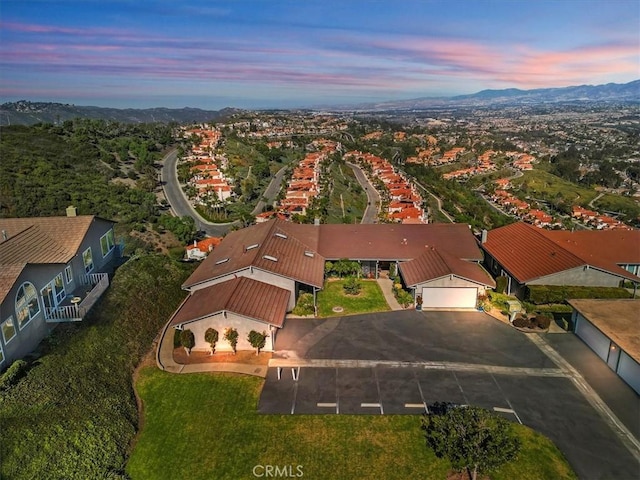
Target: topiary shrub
<point>187,340</point>
<point>211,337</point>
<point>257,340</point>
<point>520,321</point>
<point>231,336</point>
<point>501,284</point>
<point>352,286</point>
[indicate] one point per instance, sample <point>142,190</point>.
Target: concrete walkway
<point>386,285</point>
<point>164,360</point>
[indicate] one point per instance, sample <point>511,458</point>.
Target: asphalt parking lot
<point>402,362</point>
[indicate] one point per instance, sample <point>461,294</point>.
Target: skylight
<point>224,260</point>
<point>251,247</point>
<point>309,254</point>
<point>269,257</point>
<point>281,235</point>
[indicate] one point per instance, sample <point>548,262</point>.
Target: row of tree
<point>256,339</point>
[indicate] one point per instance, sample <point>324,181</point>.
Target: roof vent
<point>251,247</point>
<point>269,257</point>
<point>72,211</point>
<point>224,260</point>
<point>281,235</point>
<point>4,235</point>
<point>309,254</point>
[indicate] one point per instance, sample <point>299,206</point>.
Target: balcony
<point>75,306</point>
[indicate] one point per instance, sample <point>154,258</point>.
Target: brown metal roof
<point>38,240</point>
<point>268,246</point>
<point>243,296</point>
<point>433,264</point>
<point>528,252</point>
<point>622,246</point>
<point>396,241</point>
<point>617,319</point>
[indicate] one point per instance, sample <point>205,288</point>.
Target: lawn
<point>204,426</point>
<point>370,299</point>
<point>544,185</point>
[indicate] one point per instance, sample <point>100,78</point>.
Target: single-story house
<point>255,275</point>
<point>52,269</point>
<point>528,255</point>
<point>611,329</point>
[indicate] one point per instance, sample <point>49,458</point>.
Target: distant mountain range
<point>28,113</point>
<point>24,112</point>
<point>611,92</point>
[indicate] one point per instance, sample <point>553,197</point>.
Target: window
<point>58,288</point>
<point>1,355</point>
<point>27,305</point>
<point>107,243</point>
<point>68,274</point>
<point>87,259</point>
<point>8,329</point>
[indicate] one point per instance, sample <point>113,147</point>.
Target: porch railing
<point>98,282</point>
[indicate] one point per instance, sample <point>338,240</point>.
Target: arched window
<point>27,305</point>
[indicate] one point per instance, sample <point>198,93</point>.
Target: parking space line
<point>415,376</point>
<point>506,399</point>
<point>466,400</point>
<point>370,405</point>
<point>295,395</point>
<point>375,375</point>
<point>327,404</point>
<point>414,405</point>
<point>337,394</point>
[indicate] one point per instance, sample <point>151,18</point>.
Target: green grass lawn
<point>332,295</point>
<point>541,184</point>
<point>205,426</point>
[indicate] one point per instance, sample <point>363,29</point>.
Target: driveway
<point>401,362</point>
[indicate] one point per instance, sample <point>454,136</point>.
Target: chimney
<point>484,236</point>
<point>72,211</point>
<point>4,235</point>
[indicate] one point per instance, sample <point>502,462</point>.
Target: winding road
<point>373,198</point>
<point>180,205</point>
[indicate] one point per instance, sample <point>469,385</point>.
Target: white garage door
<point>440,297</point>
<point>593,337</point>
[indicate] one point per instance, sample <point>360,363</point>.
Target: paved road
<point>180,205</point>
<point>400,362</point>
<point>271,192</point>
<point>373,198</point>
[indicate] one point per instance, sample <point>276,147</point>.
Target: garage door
<point>593,337</point>
<point>449,297</point>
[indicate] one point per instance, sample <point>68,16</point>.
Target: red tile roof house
<point>528,255</point>
<point>253,278</point>
<point>52,269</point>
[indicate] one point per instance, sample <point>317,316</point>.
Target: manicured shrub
<point>501,284</point>
<point>211,337</point>
<point>187,340</point>
<point>231,336</point>
<point>352,286</point>
<point>257,340</point>
<point>13,374</point>
<point>541,294</point>
<point>520,321</point>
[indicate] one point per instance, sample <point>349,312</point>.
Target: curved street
<point>180,205</point>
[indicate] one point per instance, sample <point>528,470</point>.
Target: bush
<point>352,286</point>
<point>304,306</point>
<point>211,337</point>
<point>257,340</point>
<point>187,339</point>
<point>13,374</point>
<point>543,321</point>
<point>501,284</point>
<point>541,294</point>
<point>231,336</point>
<point>78,397</point>
<point>404,298</point>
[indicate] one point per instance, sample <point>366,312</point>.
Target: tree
<point>187,340</point>
<point>257,340</point>
<point>231,336</point>
<point>472,438</point>
<point>352,286</point>
<point>211,337</point>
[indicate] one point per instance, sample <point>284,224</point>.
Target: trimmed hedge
<point>73,414</point>
<point>543,294</point>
